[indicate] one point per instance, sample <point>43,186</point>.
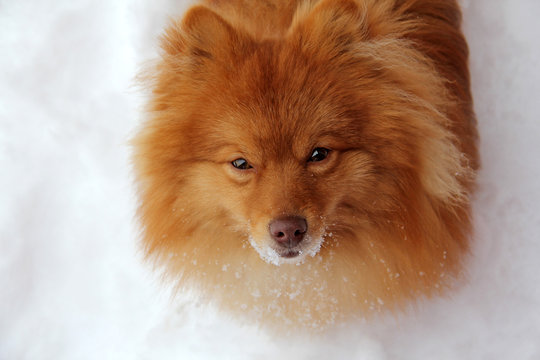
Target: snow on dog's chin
<point>309,247</point>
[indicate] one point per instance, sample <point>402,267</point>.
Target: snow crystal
<point>294,294</point>
<point>266,253</point>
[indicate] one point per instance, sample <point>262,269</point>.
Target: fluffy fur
<point>384,84</point>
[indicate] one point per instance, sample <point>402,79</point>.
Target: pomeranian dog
<point>310,161</point>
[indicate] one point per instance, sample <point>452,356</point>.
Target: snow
<point>72,282</point>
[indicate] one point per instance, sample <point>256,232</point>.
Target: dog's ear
<point>333,26</point>
<point>201,34</point>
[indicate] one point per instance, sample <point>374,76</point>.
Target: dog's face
<point>290,140</point>
<point>276,142</point>
<point>323,141</point>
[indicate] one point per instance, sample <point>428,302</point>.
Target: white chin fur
<point>310,248</point>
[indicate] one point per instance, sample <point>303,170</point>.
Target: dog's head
<point>289,142</point>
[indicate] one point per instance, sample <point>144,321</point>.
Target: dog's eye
<point>319,154</point>
<point>241,164</point>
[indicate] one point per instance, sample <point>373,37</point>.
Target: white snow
<point>72,283</point>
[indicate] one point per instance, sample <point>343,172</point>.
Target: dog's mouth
<point>278,255</point>
<point>288,253</point>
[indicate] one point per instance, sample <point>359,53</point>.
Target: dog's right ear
<point>333,26</point>
<point>201,34</point>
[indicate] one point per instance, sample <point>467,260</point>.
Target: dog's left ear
<point>202,35</point>
<point>333,26</point>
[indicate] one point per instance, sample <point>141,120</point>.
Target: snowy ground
<point>72,283</point>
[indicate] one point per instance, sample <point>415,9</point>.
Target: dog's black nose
<point>288,231</point>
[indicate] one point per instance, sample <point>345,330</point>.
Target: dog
<point>308,162</point>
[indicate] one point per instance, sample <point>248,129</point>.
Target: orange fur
<point>382,83</point>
